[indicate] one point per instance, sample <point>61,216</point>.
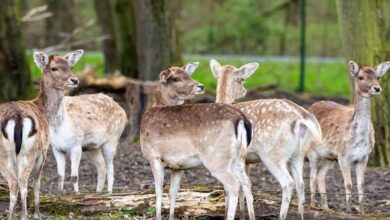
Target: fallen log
<point>192,203</point>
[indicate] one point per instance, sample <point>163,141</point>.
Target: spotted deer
<point>180,137</point>
<point>24,138</point>
<point>348,134</point>
<point>90,123</point>
<point>282,131</point>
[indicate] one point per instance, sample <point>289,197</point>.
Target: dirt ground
<point>132,172</point>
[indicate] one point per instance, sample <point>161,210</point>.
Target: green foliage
<point>130,213</point>
<point>151,210</point>
<point>258,27</point>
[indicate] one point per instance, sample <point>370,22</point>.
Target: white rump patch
<point>9,129</point>
<point>27,127</point>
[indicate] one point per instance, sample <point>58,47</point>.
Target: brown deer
<point>348,134</point>
<point>186,136</point>
<point>25,131</point>
<point>282,131</point>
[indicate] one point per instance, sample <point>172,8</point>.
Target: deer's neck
<point>163,99</point>
<point>362,111</point>
<point>50,101</point>
<point>223,95</point>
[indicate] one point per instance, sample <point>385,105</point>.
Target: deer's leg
<point>173,189</point>
<point>360,170</point>
<point>226,202</point>
<point>325,166</point>
<point>280,172</point>
<point>238,167</point>
<point>75,157</point>
<point>13,192</point>
<point>37,184</point>
<point>242,196</point>
<point>314,163</point>
<point>61,162</point>
<point>109,151</point>
<point>23,184</point>
<point>297,172</point>
<point>345,167</point>
<point>96,157</point>
<point>232,186</point>
<point>158,173</point>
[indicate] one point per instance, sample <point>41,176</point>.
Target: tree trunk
<point>15,76</point>
<point>104,14</point>
<point>61,23</point>
<point>126,41</point>
<point>156,37</point>
<point>362,34</point>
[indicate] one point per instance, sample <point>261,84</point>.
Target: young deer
<point>91,124</point>
<point>348,135</point>
<point>186,136</point>
<point>25,131</point>
<point>282,131</point>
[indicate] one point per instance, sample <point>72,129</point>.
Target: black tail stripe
<point>18,133</point>
<point>3,125</point>
<point>248,127</point>
<point>33,128</point>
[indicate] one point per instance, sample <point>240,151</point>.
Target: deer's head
<point>230,80</point>
<point>178,84</point>
<point>367,78</point>
<point>57,70</point>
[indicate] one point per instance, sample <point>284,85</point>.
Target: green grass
<point>322,78</point>
<point>326,79</point>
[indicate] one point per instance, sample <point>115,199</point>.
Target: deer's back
<point>184,131</point>
<point>273,122</point>
<point>96,110</point>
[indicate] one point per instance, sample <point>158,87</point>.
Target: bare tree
<point>363,41</point>
<point>104,14</point>
<point>62,21</point>
<point>126,41</point>
<point>15,76</point>
<point>156,37</point>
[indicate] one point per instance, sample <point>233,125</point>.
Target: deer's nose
<point>377,89</point>
<point>75,81</point>
<point>200,87</point>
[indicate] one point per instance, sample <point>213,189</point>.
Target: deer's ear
<point>353,68</point>
<point>215,68</point>
<point>41,60</point>
<point>190,67</point>
<point>247,70</point>
<point>382,68</point>
<point>74,56</point>
<point>164,75</point>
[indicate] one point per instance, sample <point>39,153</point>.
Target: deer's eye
<point>378,78</point>
<point>361,78</point>
<point>176,79</point>
<point>54,69</point>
